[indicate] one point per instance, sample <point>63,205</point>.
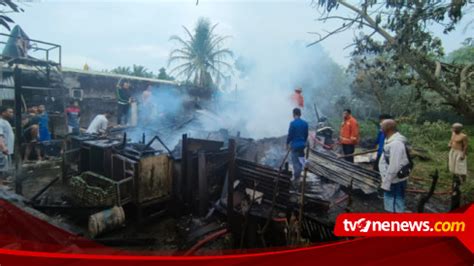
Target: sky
<point>107,34</point>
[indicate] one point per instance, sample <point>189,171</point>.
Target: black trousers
<point>122,114</point>
<point>376,163</point>
<point>348,149</point>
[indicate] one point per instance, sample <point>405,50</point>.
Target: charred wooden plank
<point>343,172</point>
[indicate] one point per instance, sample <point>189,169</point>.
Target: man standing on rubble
<point>124,99</point>
<point>296,142</point>
<point>394,159</point>
<point>349,134</point>
<point>7,138</point>
<point>297,98</point>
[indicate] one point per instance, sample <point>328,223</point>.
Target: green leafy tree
<point>122,70</point>
<point>135,70</point>
<point>463,55</point>
<point>141,71</point>
<point>201,56</point>
<point>163,75</point>
<point>7,6</point>
<point>377,83</point>
<point>401,29</point>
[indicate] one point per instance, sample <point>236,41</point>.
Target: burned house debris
<point>165,182</point>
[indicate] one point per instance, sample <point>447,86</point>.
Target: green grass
<point>434,138</point>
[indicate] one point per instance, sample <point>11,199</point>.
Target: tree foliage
<point>122,70</point>
<point>400,30</point>
<point>7,6</point>
<point>386,88</point>
<point>141,71</point>
<point>463,55</point>
<point>135,70</point>
<point>163,75</point>
<point>200,56</point>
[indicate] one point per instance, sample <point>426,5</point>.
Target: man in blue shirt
<point>296,141</point>
<point>380,140</point>
<point>44,134</point>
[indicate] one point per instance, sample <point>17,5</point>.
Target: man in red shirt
<point>73,114</point>
<point>297,98</point>
<point>349,134</point>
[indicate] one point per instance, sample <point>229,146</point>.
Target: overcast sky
<point>106,34</point>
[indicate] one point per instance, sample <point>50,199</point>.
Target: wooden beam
<point>202,184</point>
<point>231,219</point>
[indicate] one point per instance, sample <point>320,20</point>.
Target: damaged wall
<point>98,90</point>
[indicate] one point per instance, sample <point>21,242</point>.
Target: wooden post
<point>202,186</point>
<point>231,219</point>
<point>18,129</point>
<point>424,199</point>
<point>456,192</point>
<point>303,187</point>
<point>179,183</point>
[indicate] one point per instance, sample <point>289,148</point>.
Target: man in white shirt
<point>393,159</point>
<point>7,138</point>
<point>100,123</point>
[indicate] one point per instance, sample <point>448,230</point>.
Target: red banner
<point>27,240</point>
<point>460,225</point>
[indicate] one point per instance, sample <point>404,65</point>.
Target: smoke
<point>160,115</point>
<point>258,105</point>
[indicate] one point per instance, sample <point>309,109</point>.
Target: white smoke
<point>258,104</point>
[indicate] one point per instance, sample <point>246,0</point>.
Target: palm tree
<point>163,75</point>
<point>122,70</point>
<point>141,71</point>
<point>136,70</point>
<point>201,55</point>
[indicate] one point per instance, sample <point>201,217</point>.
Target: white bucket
<point>106,220</point>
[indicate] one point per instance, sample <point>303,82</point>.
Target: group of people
<point>393,160</point>
<point>100,124</point>
<point>35,129</point>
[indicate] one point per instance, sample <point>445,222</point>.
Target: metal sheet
<point>154,180</point>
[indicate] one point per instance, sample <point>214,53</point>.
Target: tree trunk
<point>459,102</point>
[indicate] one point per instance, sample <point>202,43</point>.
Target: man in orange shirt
<point>349,134</point>
<point>297,98</point>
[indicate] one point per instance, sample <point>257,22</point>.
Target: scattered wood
<point>343,172</point>
<point>424,200</point>
<point>39,193</point>
<point>357,154</point>
<point>420,153</point>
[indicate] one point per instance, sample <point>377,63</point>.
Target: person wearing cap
<point>457,161</point>
<point>297,98</point>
